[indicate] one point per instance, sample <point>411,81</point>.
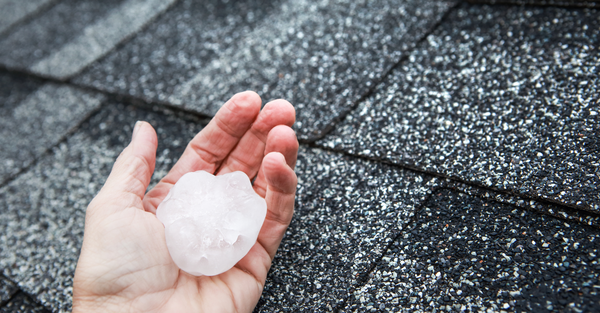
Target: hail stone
<point>211,222</point>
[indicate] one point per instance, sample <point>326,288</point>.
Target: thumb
<point>131,173</point>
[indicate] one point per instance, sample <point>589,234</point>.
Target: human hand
<point>124,263</point>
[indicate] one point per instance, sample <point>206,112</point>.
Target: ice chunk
<point>211,222</point>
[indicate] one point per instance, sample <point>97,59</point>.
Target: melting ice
<point>211,222</point>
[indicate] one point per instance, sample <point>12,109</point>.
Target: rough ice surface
<point>211,222</point>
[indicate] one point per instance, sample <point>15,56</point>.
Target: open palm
<point>124,263</point>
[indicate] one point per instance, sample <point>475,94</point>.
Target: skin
<point>124,264</point>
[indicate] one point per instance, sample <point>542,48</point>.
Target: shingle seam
<point>16,291</point>
<point>115,96</point>
<point>120,44</point>
<point>542,3</point>
<point>89,47</point>
<point>19,292</point>
<point>413,219</point>
<point>28,18</point>
<point>4,303</point>
<point>108,98</point>
<point>456,180</point>
<point>544,207</point>
<point>48,150</point>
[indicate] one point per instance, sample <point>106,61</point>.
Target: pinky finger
<point>280,197</point>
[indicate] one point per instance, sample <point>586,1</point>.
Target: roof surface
<point>449,158</point>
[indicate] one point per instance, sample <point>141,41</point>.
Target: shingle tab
<point>504,97</point>
<point>320,55</point>
<point>42,211</point>
<point>35,116</point>
<point>99,38</point>
<point>176,46</point>
<point>465,253</point>
<point>73,34</point>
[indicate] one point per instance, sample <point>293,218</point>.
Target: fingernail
<point>279,156</point>
<point>136,128</point>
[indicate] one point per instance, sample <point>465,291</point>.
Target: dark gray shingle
<point>465,253</point>
<point>35,116</point>
<point>73,34</point>
<point>321,56</point>
<point>504,97</point>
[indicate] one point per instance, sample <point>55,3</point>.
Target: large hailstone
<point>211,222</point>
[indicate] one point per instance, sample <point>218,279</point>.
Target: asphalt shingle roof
<point>449,151</point>
<point>320,55</point>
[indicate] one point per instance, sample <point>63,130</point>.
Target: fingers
<point>208,149</point>
<point>281,139</point>
<point>212,145</point>
<point>248,154</point>
<point>281,191</point>
<point>132,170</point>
